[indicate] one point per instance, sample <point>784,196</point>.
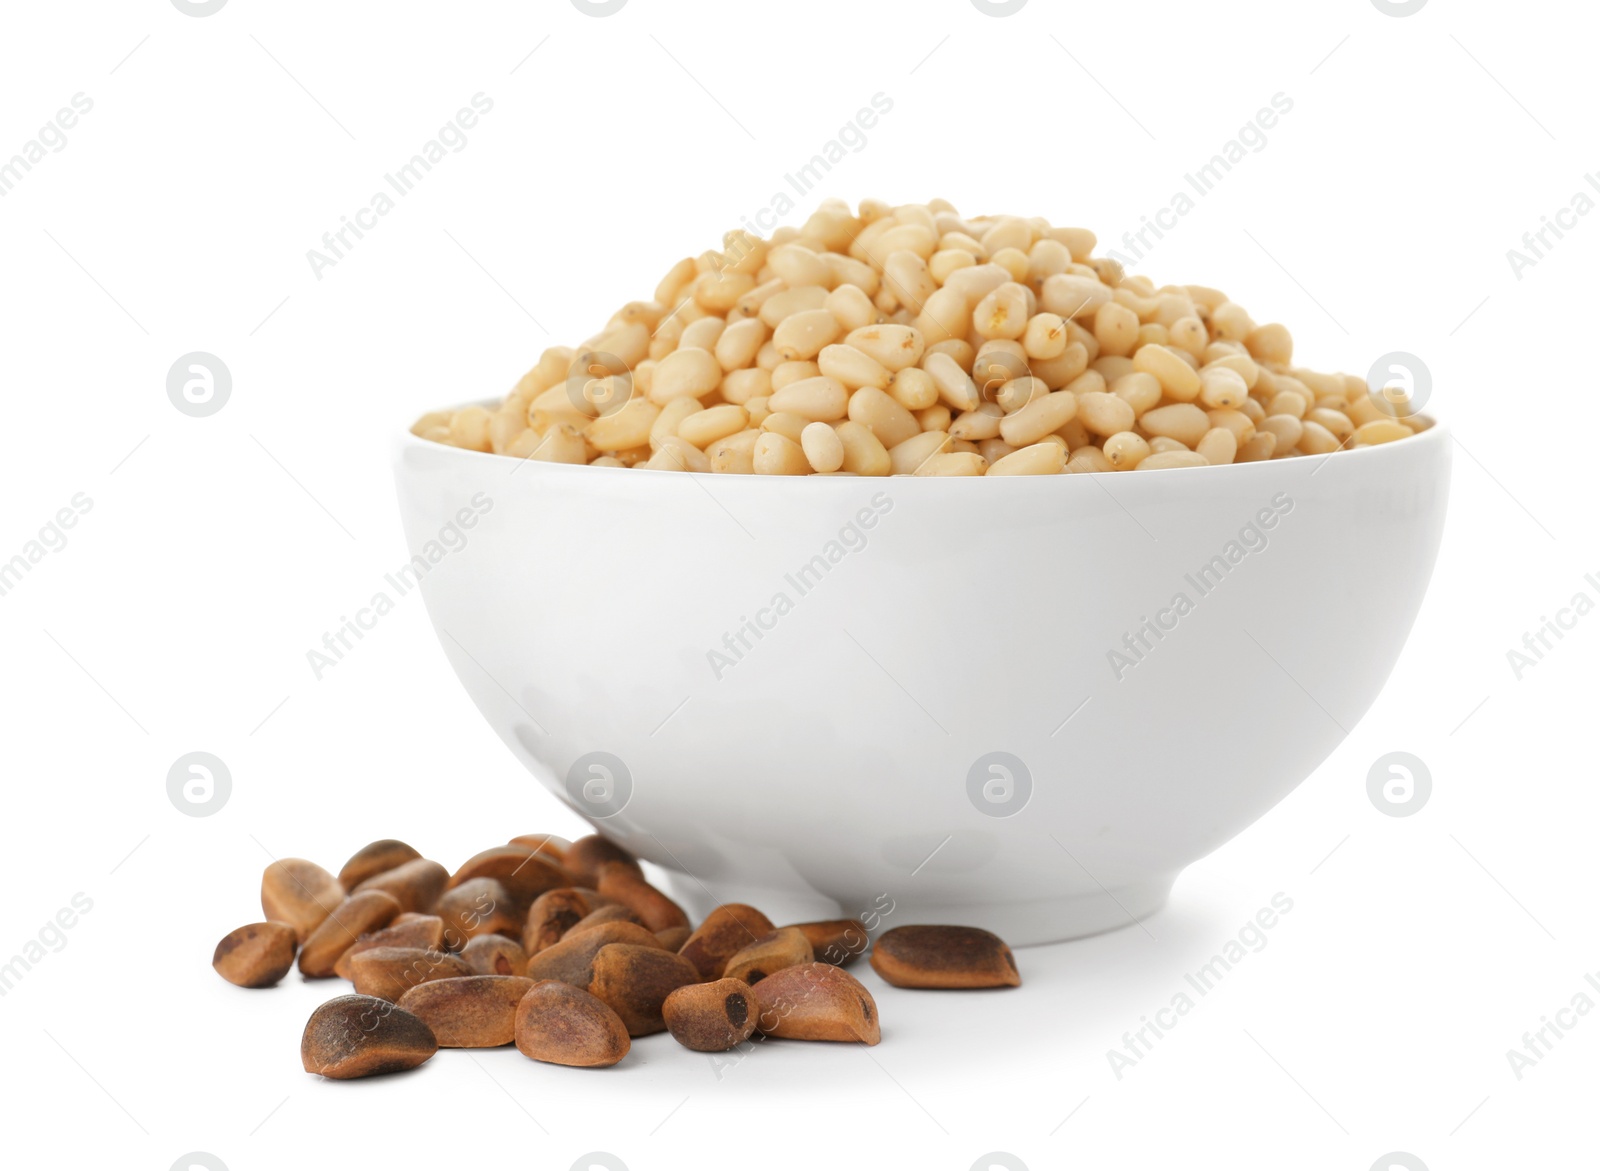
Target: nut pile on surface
<point>912,341</point>
<point>565,950</point>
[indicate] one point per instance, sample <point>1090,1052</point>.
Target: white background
<point>218,551</point>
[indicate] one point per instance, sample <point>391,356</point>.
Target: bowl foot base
<point>1020,922</point>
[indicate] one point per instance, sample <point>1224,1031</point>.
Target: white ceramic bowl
<point>843,762</point>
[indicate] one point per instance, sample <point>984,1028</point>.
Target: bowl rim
<point>1438,432</point>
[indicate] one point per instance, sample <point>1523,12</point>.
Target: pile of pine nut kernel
<point>911,341</point>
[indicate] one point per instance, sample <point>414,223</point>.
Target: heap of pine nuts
<point>910,341</point>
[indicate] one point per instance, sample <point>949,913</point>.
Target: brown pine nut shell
<point>360,1036</point>
<point>558,1023</point>
<point>299,893</point>
<point>358,915</point>
<point>635,980</point>
<point>817,1002</point>
<point>917,956</point>
<point>390,972</point>
<point>256,955</point>
<point>373,859</point>
<point>572,960</point>
<point>494,955</point>
<point>416,884</point>
<point>469,1012</point>
<point>773,952</point>
<point>407,930</point>
<point>711,1017</point>
<point>624,883</point>
<point>726,930</point>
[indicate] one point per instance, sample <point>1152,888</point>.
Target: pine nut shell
<point>494,955</point>
<point>416,884</point>
<point>711,1017</point>
<point>839,942</point>
<point>571,961</point>
<point>256,955</point>
<point>358,915</point>
<point>586,855</point>
<point>773,952</point>
<point>299,893</point>
<point>636,979</point>
<point>627,886</point>
<point>816,1002</point>
<point>552,915</point>
<point>407,930</point>
<point>722,933</point>
<point>469,1012</point>
<point>388,973</point>
<point>373,859</point>
<point>361,1036</point>
<point>944,957</point>
<point>563,1025</point>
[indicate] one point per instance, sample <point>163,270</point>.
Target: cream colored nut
<point>1235,421</point>
<point>1218,446</point>
<point>1259,446</point>
<point>736,347</point>
<point>982,422</point>
<point>1139,390</point>
<point>953,463</point>
<point>1039,418</point>
<point>887,419</point>
<point>955,385</point>
<point>1003,313</point>
<point>801,336</point>
<point>1336,423</point>
<point>675,412</point>
<point>1221,387</point>
<point>821,398</point>
<point>685,373</point>
<point>799,266</point>
<point>1046,335</point>
<point>787,424</point>
<point>1382,431</point>
<point>1173,459</point>
<point>1073,296</point>
<point>1178,379</point>
<point>905,458</point>
<point>905,274</point>
<point>1270,343</point>
<point>852,368</point>
<point>1104,413</point>
<point>776,455</point>
<point>781,305</point>
<point>624,428</point>
<point>1315,439</point>
<point>786,373</point>
<point>864,455</point>
<point>914,389</point>
<point>892,346</point>
<point>1287,429</point>
<point>740,386</point>
<point>851,307</point>
<point>945,316</point>
<point>823,448</point>
<point>706,427</point>
<point>1184,422</point>
<point>1039,459</point>
<point>673,454</point>
<point>1088,459</point>
<point>1125,450</point>
<point>977,282</point>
